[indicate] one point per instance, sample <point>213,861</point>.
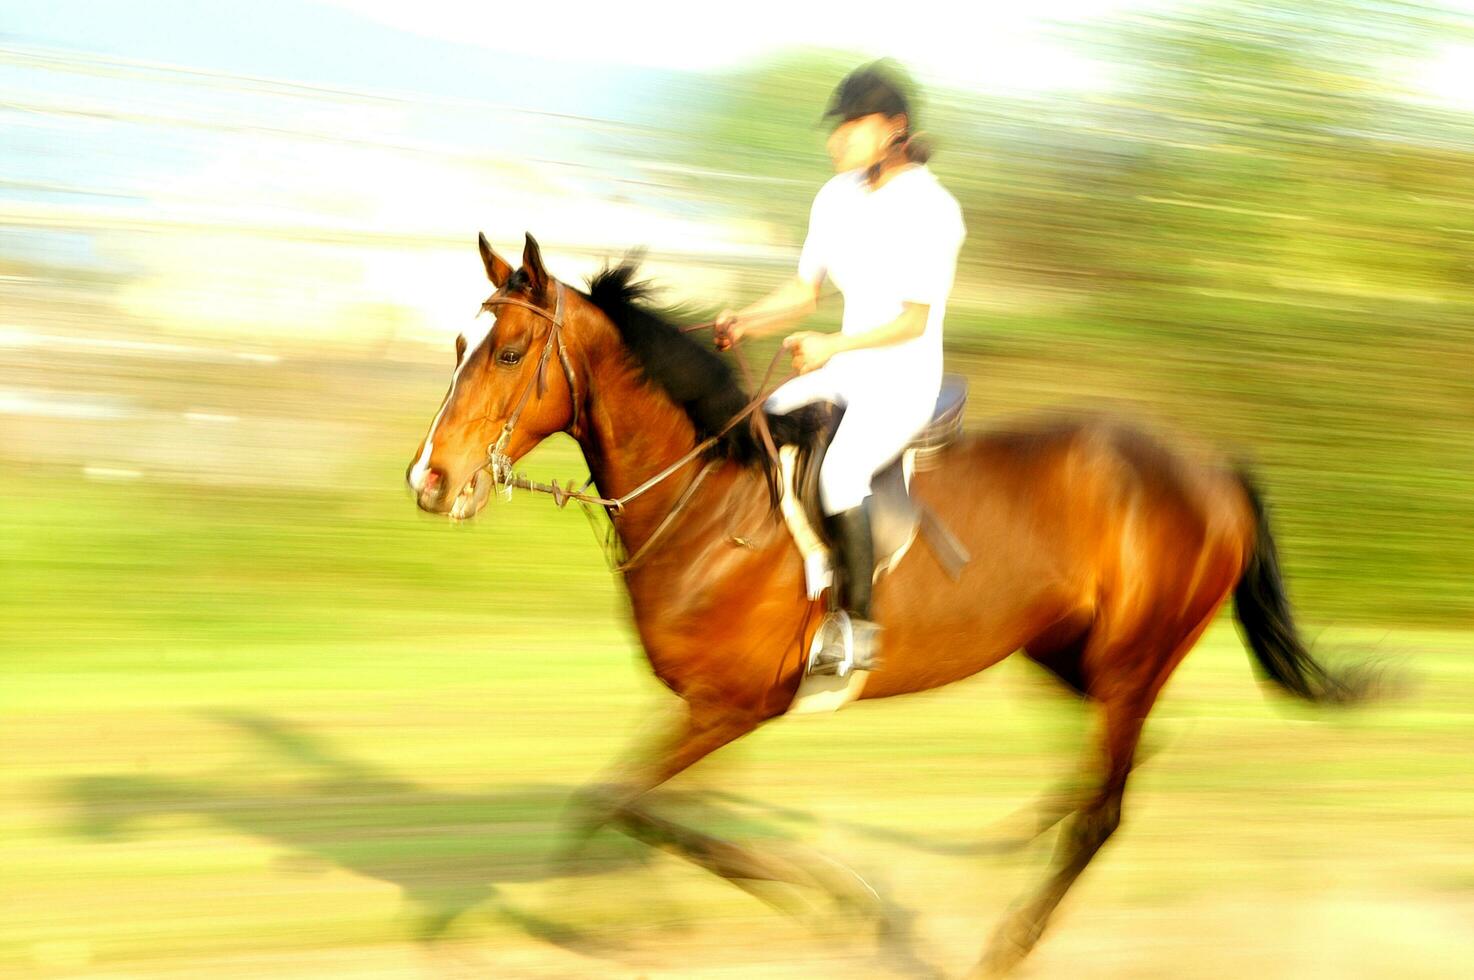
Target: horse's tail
<point>1265,619</point>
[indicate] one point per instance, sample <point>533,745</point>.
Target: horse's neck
<point>633,433</point>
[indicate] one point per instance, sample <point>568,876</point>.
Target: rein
<point>499,465</point>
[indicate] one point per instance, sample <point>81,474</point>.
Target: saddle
<point>895,516</point>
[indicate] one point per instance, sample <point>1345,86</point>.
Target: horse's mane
<point>689,372</point>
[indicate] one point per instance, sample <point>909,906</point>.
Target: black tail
<point>1263,612</point>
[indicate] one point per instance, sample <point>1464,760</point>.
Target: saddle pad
<point>894,523</point>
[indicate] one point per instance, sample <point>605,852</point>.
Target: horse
<point>1098,551</point>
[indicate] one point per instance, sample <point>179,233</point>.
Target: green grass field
<point>259,717</point>
<point>311,734</point>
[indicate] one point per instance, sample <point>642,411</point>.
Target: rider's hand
<point>728,329</point>
<point>810,350</point>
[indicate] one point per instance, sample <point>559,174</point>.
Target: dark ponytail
<point>917,150</point>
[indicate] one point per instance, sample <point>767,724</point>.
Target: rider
<point>888,234</point>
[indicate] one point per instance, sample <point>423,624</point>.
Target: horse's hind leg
<point>1126,688</point>
<point>1061,652</point>
<point>1089,829</point>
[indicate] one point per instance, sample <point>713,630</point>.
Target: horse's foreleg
<point>622,805</point>
<point>748,867</point>
<point>679,747</point>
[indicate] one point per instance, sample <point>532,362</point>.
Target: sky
<point>990,45</point>
<point>303,130</point>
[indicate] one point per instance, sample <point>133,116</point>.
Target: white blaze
<point>421,468</point>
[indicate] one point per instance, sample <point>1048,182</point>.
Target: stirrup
<point>843,644</point>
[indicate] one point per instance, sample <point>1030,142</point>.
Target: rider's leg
<point>856,558</point>
<point>871,434</point>
<point>800,391</point>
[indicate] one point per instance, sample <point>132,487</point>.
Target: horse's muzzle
<point>429,487</point>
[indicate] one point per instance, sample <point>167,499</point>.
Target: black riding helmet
<point>880,86</point>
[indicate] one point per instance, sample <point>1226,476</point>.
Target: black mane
<point>685,369</point>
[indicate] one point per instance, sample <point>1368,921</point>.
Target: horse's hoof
<point>1011,944</point>
<point>999,963</point>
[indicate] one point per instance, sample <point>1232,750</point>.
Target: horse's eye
<point>509,356</point>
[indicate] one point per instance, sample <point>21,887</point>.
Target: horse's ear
<point>532,264</point>
<point>497,269</point>
<point>460,347</point>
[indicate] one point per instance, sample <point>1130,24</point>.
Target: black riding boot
<point>854,561</point>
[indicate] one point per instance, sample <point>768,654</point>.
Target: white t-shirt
<point>883,248</point>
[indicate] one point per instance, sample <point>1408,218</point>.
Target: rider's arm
<point>924,276</point>
<point>908,326</point>
<point>792,301</point>
<point>797,297</point>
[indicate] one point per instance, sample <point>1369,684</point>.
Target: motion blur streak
<point>263,716</point>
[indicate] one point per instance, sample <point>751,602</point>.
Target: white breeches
<point>880,418</point>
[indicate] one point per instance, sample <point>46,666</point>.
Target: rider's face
<point>862,142</point>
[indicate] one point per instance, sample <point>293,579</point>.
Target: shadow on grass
<point>448,853</point>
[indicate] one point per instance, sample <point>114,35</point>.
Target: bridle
<point>499,465</point>
<point>497,460</point>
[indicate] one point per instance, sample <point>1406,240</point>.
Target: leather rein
<point>499,465</point>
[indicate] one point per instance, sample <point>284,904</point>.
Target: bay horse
<point>1098,551</point>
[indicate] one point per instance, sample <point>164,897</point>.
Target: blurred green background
<point>259,715</point>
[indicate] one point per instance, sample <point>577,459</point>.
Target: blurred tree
<point>756,131</point>
<point>1268,235</point>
